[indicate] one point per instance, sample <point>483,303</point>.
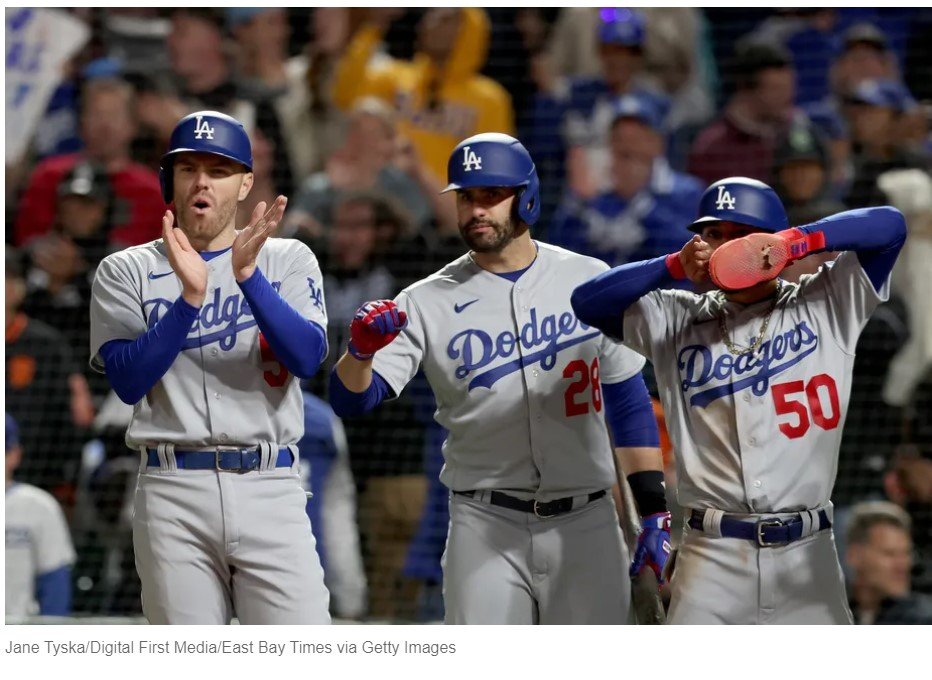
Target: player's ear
<point>246,186</point>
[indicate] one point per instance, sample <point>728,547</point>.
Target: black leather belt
<point>229,460</point>
<point>766,532</point>
<point>552,508</point>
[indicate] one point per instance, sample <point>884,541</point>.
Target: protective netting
<point>352,114</point>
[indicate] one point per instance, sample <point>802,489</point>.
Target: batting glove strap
<point>654,546</point>
<point>659,520</point>
<point>802,243</point>
<point>362,356</point>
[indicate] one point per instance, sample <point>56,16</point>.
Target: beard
<point>207,227</point>
<point>492,241</point>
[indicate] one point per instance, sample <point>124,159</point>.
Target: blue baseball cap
<point>105,67</point>
<point>11,433</point>
<point>882,92</point>
<point>621,26</point>
<point>638,108</point>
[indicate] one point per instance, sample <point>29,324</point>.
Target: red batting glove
<point>375,325</point>
<point>755,258</point>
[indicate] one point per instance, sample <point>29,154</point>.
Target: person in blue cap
<point>39,553</point>
<point>589,103</point>
<point>876,111</point>
<point>645,211</point>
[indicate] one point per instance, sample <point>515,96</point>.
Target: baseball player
<point>525,390</point>
<point>207,332</point>
<point>39,553</point>
<point>754,378</point>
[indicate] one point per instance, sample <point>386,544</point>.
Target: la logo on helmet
<point>203,129</point>
<point>470,160</point>
<point>725,199</point>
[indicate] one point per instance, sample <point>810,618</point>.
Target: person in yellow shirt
<point>439,95</point>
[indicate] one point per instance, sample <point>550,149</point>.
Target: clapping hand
<point>250,240</point>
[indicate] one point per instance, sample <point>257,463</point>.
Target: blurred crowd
<point>628,114</point>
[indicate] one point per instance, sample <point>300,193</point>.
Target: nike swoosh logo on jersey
<point>153,276</point>
<point>460,307</point>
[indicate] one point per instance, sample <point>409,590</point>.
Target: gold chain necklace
<point>737,349</point>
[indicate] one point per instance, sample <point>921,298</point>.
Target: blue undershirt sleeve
<point>53,592</point>
<point>134,366</point>
<point>298,343</point>
<point>875,234</point>
<point>348,403</point>
<point>630,413</point>
<point>601,301</point>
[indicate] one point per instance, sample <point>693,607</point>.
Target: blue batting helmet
<point>741,200</point>
<point>205,132</point>
<point>496,160</point>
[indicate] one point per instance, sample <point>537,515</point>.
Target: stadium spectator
<point>909,485</point>
<point>588,105</point>
<point>865,55</point>
<point>107,128</point>
<point>678,66</point>
<point>203,67</point>
<point>676,56</point>
<point>298,88</point>
<point>875,109</point>
<point>879,557</point>
<point>388,469</point>
<point>802,173</point>
<point>39,554</point>
<point>808,34</point>
<point>649,205</point>
<point>439,96</point>
<point>364,226</point>
<point>741,141</point>
<point>911,192</point>
<point>313,125</point>
<point>365,161</point>
<point>261,35</point>
<point>64,260</point>
<point>331,506</point>
<point>45,392</point>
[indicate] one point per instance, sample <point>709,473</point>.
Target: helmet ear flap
<point>529,200</point>
<point>165,181</point>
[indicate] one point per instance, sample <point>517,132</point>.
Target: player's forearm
<point>300,344</point>
<point>601,301</point>
<point>354,387</point>
<point>355,374</point>
<point>864,229</point>
<point>133,367</point>
<point>875,234</point>
<point>629,413</point>
<point>643,469</point>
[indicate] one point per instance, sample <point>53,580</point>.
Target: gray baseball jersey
<point>515,374</point>
<point>517,380</point>
<point>209,396</point>
<point>757,433</point>
<point>203,547</point>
